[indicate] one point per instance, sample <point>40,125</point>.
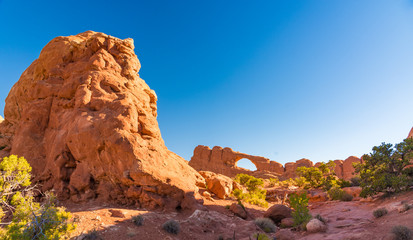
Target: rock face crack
<point>82,117</point>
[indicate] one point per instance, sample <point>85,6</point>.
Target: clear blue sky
<point>321,79</point>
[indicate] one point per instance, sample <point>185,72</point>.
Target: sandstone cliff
<point>86,122</point>
<point>223,161</point>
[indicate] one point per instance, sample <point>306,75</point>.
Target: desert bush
<point>379,212</point>
<point>171,226</point>
<point>30,220</point>
<point>301,182</point>
<point>92,235</point>
<point>338,194</point>
<point>260,236</point>
<point>266,224</point>
<point>405,207</point>
<point>288,183</point>
<point>402,233</point>
<point>273,182</point>
<point>255,194</point>
<point>319,217</point>
<point>138,220</point>
<point>322,176</point>
<point>343,183</point>
<point>252,183</point>
<point>355,181</point>
<point>299,202</point>
<point>383,170</point>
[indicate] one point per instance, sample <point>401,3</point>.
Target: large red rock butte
<point>86,122</point>
<point>224,161</point>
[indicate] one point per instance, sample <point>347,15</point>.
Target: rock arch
<point>223,161</point>
<point>245,160</point>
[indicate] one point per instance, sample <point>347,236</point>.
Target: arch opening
<point>246,163</point>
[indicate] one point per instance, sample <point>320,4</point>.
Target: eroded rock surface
<point>86,122</point>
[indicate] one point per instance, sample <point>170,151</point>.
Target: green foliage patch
<point>266,224</point>
<point>384,169</point>
<point>255,194</point>
<point>301,215</point>
<point>30,220</point>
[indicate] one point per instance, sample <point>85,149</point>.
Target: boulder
<point>86,122</point>
<point>284,234</point>
<point>238,210</point>
<point>218,184</point>
<point>116,213</point>
<point>317,195</point>
<point>287,222</point>
<point>315,225</point>
<point>278,212</point>
<point>353,191</point>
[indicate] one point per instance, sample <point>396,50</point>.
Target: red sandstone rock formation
<point>410,134</point>
<point>291,167</point>
<point>348,169</point>
<point>223,161</point>
<point>87,124</point>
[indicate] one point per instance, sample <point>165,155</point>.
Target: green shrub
<point>260,236</point>
<point>266,224</point>
<point>343,183</point>
<point>338,194</point>
<point>273,182</point>
<point>405,207</point>
<point>171,226</point>
<point>299,202</point>
<point>383,170</point>
<point>288,183</point>
<point>30,220</point>
<point>138,220</point>
<point>255,194</point>
<point>346,197</point>
<point>379,212</point>
<point>92,235</point>
<point>301,182</point>
<point>355,181</point>
<point>322,176</point>
<point>402,233</point>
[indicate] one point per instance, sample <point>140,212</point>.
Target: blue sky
<point>322,79</point>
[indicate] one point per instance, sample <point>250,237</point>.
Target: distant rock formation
<point>410,134</point>
<point>86,122</point>
<point>223,161</point>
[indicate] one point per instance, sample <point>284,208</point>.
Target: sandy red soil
<point>346,220</point>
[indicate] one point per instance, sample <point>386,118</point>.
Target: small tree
<point>255,195</point>
<point>384,169</point>
<point>301,214</point>
<point>321,176</point>
<point>31,220</point>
